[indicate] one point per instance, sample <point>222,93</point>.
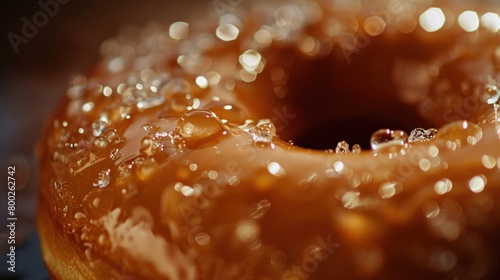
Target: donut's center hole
<point>327,134</point>
<point>343,97</point>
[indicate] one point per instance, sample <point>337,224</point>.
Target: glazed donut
<point>234,147</point>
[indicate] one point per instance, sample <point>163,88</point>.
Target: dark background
<point>34,79</point>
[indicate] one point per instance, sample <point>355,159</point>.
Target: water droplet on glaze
<point>424,164</point>
<point>202,82</point>
<point>342,148</point>
<point>99,126</point>
<point>212,174</point>
<point>443,186</point>
<point>115,154</point>
<point>228,113</point>
<point>488,161</point>
<point>193,167</point>
<point>351,200</point>
<point>165,143</point>
<point>199,127</point>
<point>101,142</point>
<point>87,107</point>
<point>258,210</point>
<point>80,215</point>
<point>384,138</point>
<point>247,231</point>
<point>179,30</point>
<point>491,94</point>
<point>107,91</point>
<point>187,191</point>
<point>389,189</point>
<point>433,151</point>
<point>250,60</point>
<point>263,132</point>
<point>477,183</point>
<point>422,135</point>
<point>431,209</point>
<point>227,32</point>
<point>233,181</point>
<point>202,238</point>
<point>58,186</point>
<point>151,128</point>
<point>276,169</point>
<point>152,100</point>
<point>113,136</point>
<point>125,112</point>
<point>146,144</point>
<point>460,133</point>
<point>339,167</point>
<point>103,179</point>
<point>356,149</point>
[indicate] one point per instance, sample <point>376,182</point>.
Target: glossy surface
<point>171,160</point>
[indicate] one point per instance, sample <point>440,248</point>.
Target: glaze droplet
<point>103,180</point>
<point>342,148</point>
<point>491,94</point>
<point>199,128</point>
<point>115,154</point>
<point>99,126</point>
<point>356,149</point>
<point>258,210</point>
<point>422,135</point>
<point>149,100</point>
<point>263,132</point>
<point>384,138</point>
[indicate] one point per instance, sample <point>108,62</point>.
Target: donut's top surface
<point>171,158</point>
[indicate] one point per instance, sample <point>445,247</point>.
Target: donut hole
<point>348,97</point>
<point>326,134</point>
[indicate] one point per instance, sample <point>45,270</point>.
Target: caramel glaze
<point>203,199</point>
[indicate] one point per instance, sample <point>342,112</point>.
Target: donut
<point>281,140</point>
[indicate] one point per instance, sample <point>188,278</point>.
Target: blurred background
<point>34,74</point>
